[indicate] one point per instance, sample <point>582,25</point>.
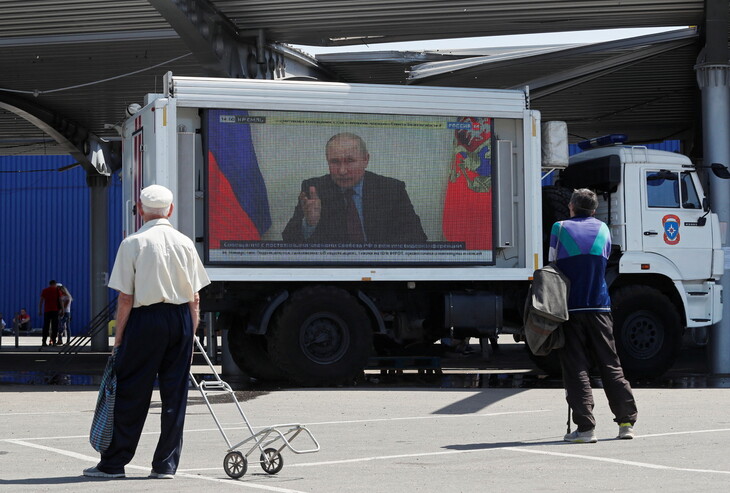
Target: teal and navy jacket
<point>580,247</point>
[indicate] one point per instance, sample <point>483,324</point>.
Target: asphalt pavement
<point>384,440</point>
<point>477,425</point>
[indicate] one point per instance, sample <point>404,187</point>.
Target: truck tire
<point>321,336</point>
<point>251,354</point>
<point>555,202</point>
<point>647,330</point>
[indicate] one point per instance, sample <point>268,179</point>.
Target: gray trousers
<point>589,342</point>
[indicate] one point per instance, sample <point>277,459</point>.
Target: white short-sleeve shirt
<point>158,264</point>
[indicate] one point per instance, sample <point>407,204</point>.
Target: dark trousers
<point>157,342</point>
<point>588,342</point>
<point>50,321</point>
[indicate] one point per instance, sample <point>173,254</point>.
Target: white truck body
<point>265,287</point>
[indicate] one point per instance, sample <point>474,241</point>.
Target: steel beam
<point>224,51</point>
<point>97,156</point>
<point>560,81</point>
<point>99,248</point>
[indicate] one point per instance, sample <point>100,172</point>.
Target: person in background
<point>64,319</point>
<point>2,328</point>
<point>158,274</point>
<point>580,247</point>
<point>49,306</point>
<point>22,321</point>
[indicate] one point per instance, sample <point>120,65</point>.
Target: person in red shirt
<point>21,321</point>
<point>49,306</point>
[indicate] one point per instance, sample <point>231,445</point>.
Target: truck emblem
<point>670,222</point>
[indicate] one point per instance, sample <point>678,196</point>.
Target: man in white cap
<point>158,274</point>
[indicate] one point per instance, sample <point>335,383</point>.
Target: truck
<point>453,219</point>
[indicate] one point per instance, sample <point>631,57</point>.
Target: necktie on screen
<point>354,226</point>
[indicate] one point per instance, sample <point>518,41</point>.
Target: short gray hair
<point>584,202</point>
<point>351,136</point>
<point>155,211</point>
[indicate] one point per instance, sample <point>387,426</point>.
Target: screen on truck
<point>346,188</point>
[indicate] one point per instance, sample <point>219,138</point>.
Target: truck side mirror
<point>720,171</point>
<point>705,204</point>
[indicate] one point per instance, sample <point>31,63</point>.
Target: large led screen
<point>338,188</point>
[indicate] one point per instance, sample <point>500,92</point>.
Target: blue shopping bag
<point>102,425</point>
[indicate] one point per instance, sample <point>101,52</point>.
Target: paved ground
<point>28,362</point>
<point>387,440</point>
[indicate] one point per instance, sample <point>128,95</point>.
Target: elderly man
<point>158,275</point>
<point>580,246</point>
<point>351,205</point>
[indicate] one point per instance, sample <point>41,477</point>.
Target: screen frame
<point>360,263</point>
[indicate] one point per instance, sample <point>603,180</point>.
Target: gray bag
<point>546,308</point>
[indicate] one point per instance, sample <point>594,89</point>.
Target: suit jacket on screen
<point>388,215</point>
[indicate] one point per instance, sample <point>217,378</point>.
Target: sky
<point>492,41</point>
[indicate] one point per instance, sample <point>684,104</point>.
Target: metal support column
<point>713,77</point>
<point>99,238</point>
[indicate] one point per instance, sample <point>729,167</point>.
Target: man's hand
<point>311,205</point>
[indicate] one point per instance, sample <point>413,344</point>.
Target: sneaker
<point>625,431</point>
<point>581,437</point>
<point>94,472</point>
<point>160,475</point>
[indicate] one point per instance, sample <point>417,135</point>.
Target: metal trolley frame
<point>268,441</point>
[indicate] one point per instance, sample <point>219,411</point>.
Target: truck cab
<point>667,257</point>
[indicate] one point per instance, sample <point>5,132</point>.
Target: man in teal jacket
<point>580,246</point>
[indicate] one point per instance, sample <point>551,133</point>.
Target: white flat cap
<point>155,197</point>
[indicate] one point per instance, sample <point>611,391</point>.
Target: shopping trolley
<point>268,441</point>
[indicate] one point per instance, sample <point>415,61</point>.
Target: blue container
<point>45,234</point>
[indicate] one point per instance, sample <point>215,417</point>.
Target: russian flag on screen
<point>468,205</point>
<point>238,203</point>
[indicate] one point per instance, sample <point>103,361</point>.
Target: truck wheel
<point>251,354</point>
<point>555,202</point>
<point>647,330</point>
<point>321,336</point>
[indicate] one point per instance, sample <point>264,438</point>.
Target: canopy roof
<point>82,62</point>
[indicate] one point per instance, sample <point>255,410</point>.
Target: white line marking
<point>89,458</point>
<point>232,427</point>
<point>689,432</point>
<point>43,413</point>
<point>615,461</point>
<point>67,453</point>
<point>432,416</point>
<point>389,457</point>
<point>515,449</point>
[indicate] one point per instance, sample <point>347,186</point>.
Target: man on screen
<point>351,205</point>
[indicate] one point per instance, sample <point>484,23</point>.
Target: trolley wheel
<point>235,464</point>
<point>276,462</point>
